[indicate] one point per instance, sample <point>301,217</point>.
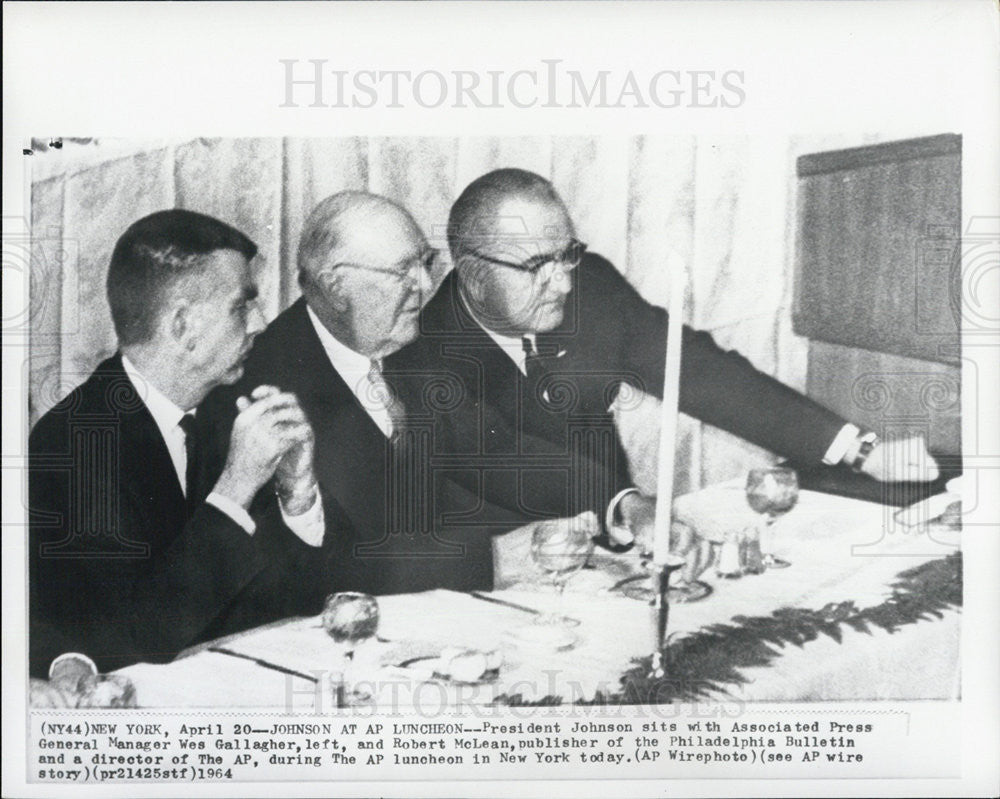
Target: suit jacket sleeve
<point>300,568</point>
<point>717,386</point>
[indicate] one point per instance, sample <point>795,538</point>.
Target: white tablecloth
<point>840,550</point>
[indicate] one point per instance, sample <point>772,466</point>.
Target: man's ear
<point>181,324</point>
<point>331,282</point>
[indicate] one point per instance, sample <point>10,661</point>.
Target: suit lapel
<point>510,419</point>
<point>146,473</point>
<point>321,384</point>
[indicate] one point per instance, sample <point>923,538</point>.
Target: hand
<point>295,481</point>
<point>586,521</point>
<point>896,460</point>
<point>637,513</point>
<point>512,551</point>
<point>269,424</point>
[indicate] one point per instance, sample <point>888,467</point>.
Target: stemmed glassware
<point>560,548</point>
<point>350,619</point>
<point>771,493</point>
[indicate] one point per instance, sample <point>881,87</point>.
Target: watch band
<point>866,444</point>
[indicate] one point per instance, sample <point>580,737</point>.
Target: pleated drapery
<point>724,205</point>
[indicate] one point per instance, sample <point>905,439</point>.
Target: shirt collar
<point>163,410</point>
<point>345,360</point>
<point>513,346</point>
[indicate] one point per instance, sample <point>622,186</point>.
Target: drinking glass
<point>559,548</point>
<point>350,619</point>
<point>771,493</point>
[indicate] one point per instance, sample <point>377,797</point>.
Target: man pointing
<point>546,338</point>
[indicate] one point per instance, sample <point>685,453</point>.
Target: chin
<point>234,374</point>
<point>407,333</point>
<point>549,320</point>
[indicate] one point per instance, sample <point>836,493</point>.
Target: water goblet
<point>560,548</point>
<point>350,619</point>
<point>771,493</point>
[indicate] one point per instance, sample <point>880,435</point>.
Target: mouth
<point>241,359</point>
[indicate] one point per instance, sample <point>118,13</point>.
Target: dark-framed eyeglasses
<point>568,258</point>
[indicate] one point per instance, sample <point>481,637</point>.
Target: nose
<point>423,283</point>
<point>255,321</point>
<point>561,279</point>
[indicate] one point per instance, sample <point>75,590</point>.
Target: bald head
<point>488,207</point>
<point>511,237</point>
<point>364,270</point>
<point>350,224</point>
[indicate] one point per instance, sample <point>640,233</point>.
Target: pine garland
<point>708,662</point>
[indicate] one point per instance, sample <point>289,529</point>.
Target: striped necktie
<point>386,397</point>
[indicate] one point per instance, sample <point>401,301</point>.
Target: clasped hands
<point>271,437</point>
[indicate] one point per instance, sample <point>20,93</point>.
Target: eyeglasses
<point>423,264</point>
<point>569,258</point>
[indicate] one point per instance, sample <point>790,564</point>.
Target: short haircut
<point>154,255</point>
<point>472,214</point>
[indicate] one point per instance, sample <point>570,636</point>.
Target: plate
<point>428,669</point>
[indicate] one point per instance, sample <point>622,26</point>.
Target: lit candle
<point>668,412</point>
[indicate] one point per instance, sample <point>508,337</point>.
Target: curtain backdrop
<point>724,205</point>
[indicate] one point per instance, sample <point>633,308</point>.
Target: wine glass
<point>350,619</point>
<point>771,493</point>
<point>560,548</point>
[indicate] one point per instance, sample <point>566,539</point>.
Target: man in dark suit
<point>137,551</point>
<point>364,267</point>
<point>543,339</point>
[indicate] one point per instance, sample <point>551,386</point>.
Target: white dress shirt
<point>513,347</point>
<point>353,368</point>
<point>308,526</point>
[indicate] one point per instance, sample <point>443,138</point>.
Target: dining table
<point>868,609</point>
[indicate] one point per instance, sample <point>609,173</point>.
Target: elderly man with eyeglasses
<point>365,269</point>
<point>543,338</point>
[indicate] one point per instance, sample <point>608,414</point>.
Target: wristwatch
<point>866,443</point>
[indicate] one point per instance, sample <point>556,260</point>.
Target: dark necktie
<point>533,366</point>
<point>187,424</point>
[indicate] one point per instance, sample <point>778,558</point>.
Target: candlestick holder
<point>660,610</point>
